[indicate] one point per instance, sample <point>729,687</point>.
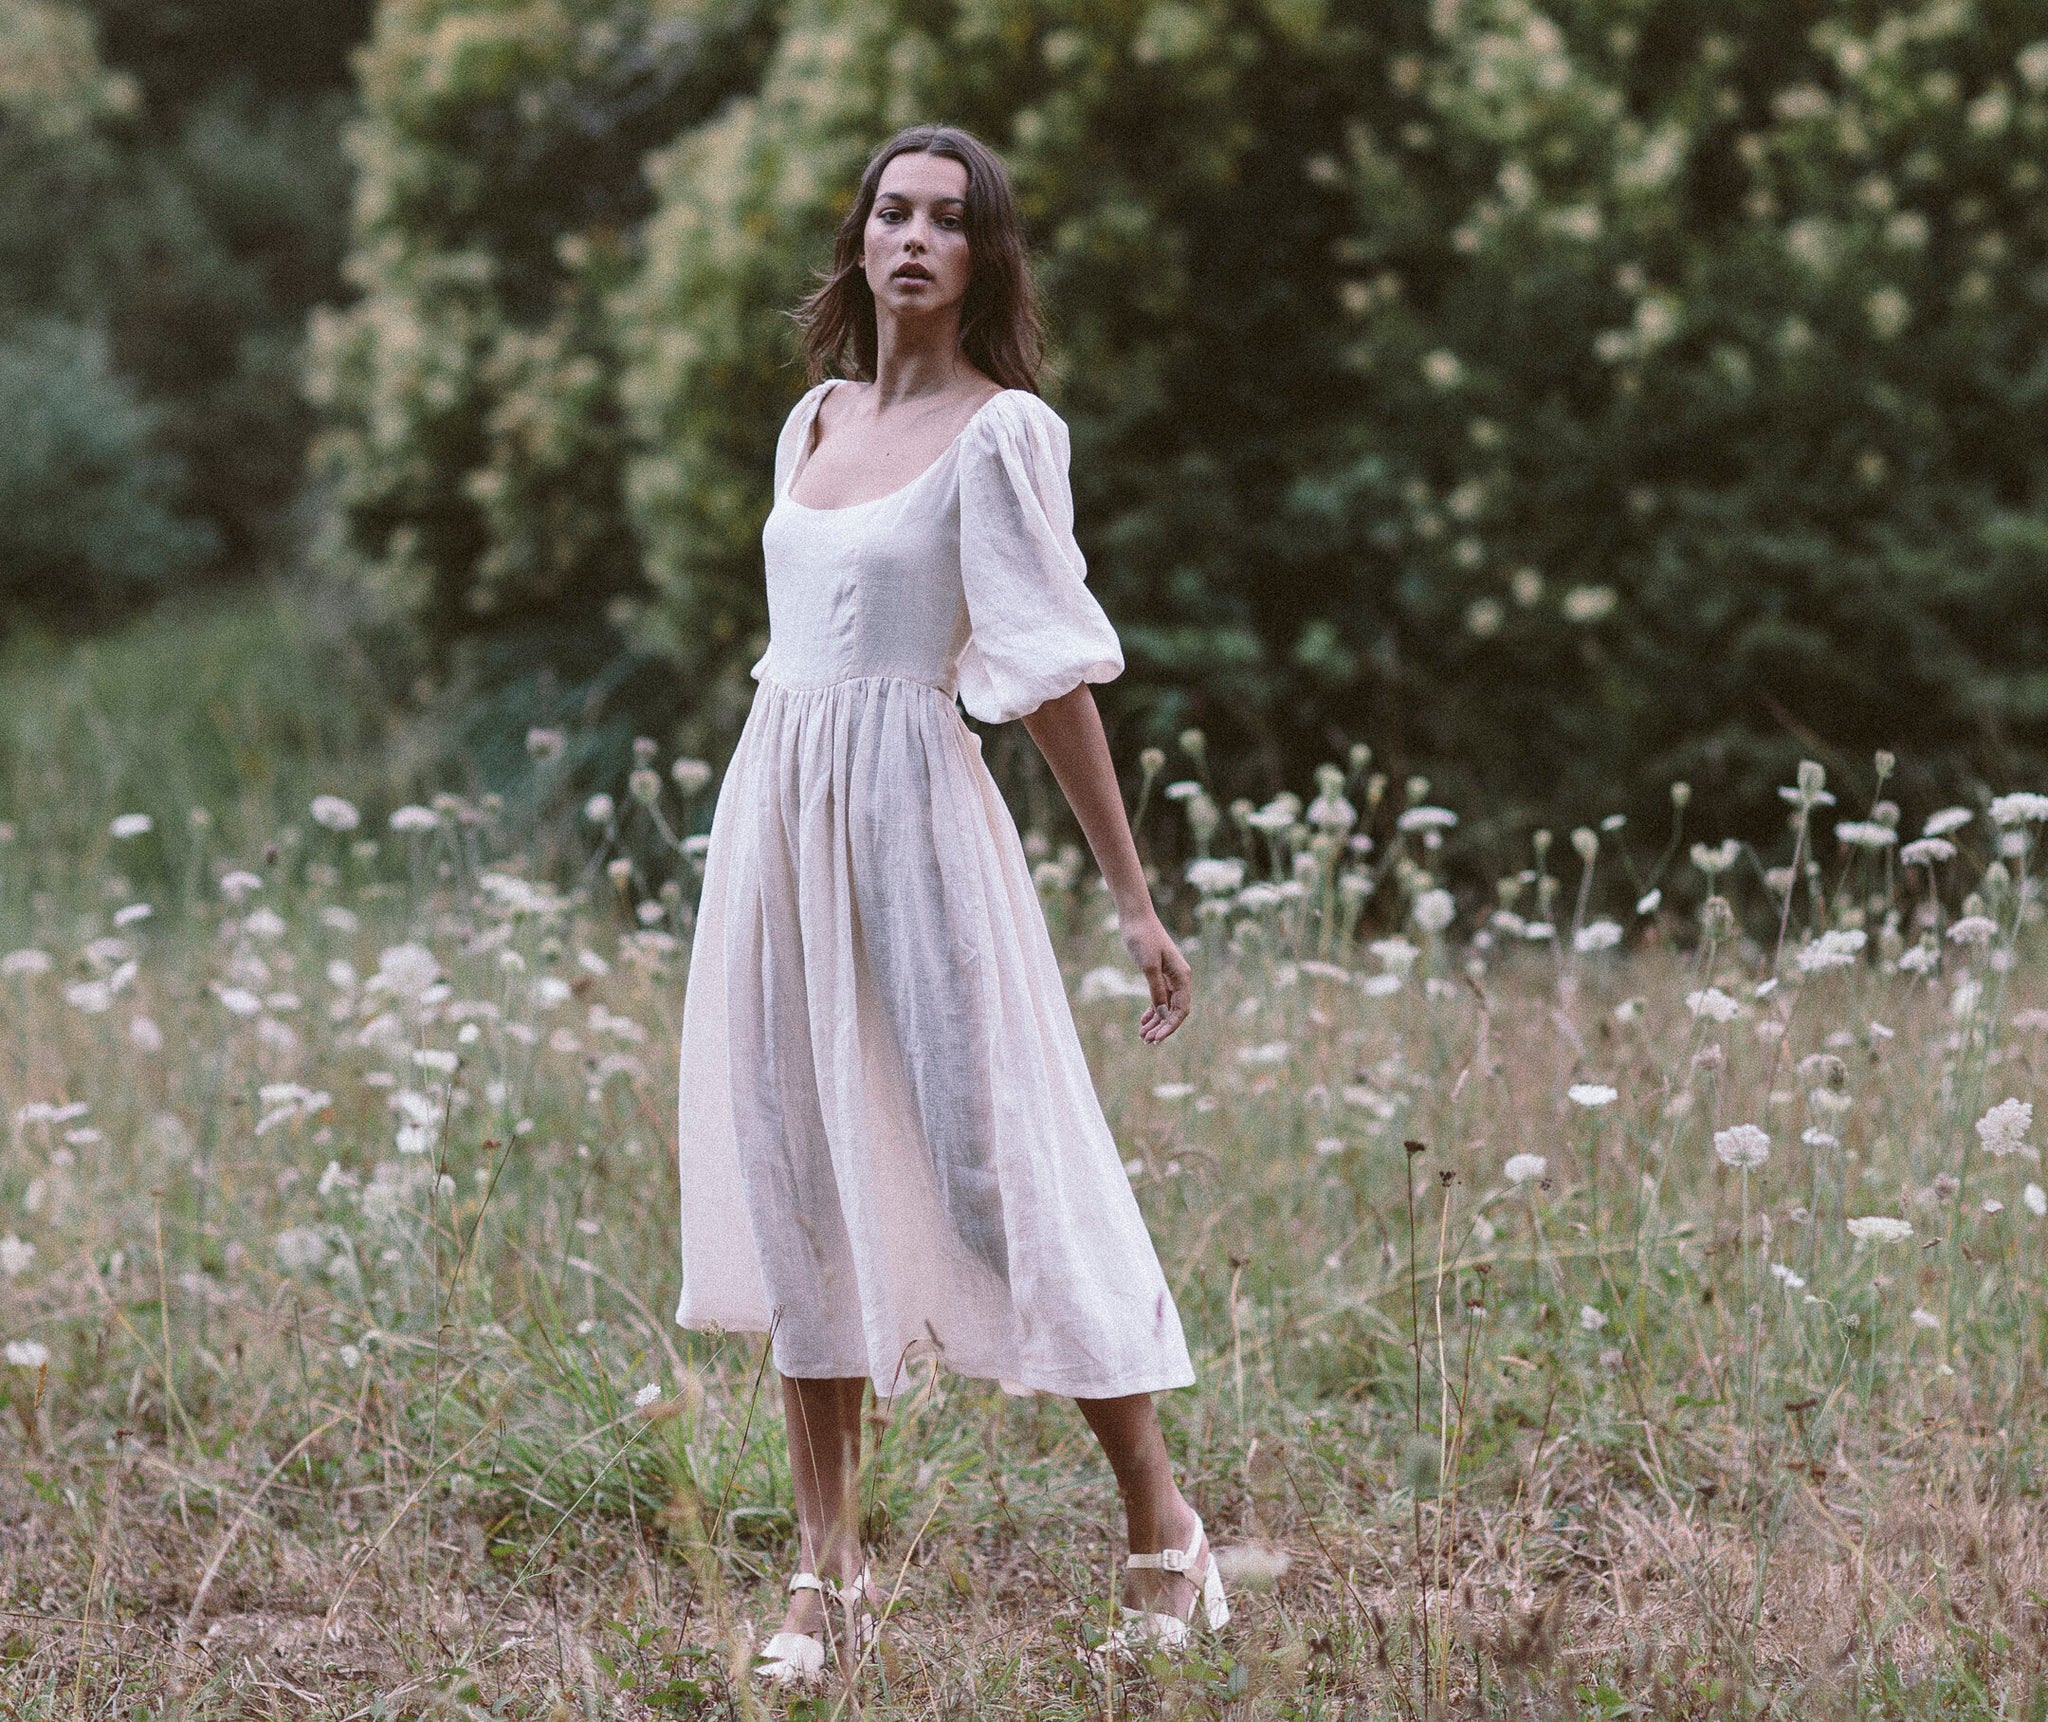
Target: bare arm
<point>1068,731</point>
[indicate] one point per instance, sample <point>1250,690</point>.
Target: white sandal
<point>1147,1630</point>
<point>797,1658</point>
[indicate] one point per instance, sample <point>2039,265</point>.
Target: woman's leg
<point>1155,1515</point>
<point>823,1419</point>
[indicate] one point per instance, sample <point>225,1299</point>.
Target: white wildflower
<point>1717,859</point>
<point>1880,1229</point>
<point>1591,1319</point>
<point>1713,1004</point>
<point>27,1353</point>
<point>414,818</point>
<point>1948,819</point>
<point>301,1250</point>
<point>1272,1052</point>
<point>334,813</point>
<point>2023,807</point>
<point>1786,1277</point>
<point>1865,834</point>
<point>2036,1200</point>
<point>1172,1090</point>
<point>15,1256</point>
<point>1107,982</point>
<point>691,775</point>
<point>264,924</point>
<point>1523,1167</point>
<point>1434,910</point>
<point>1396,953</point>
<point>239,1001</point>
<point>1591,1095</point>
<point>1597,936</point>
<point>1920,960</point>
<point>1835,949</point>
<point>1974,930</point>
<point>1214,877</point>
<point>1742,1146</point>
<point>128,825</point>
<point>407,970</point>
<point>237,883</point>
<point>1926,851</point>
<point>2003,1130</point>
<point>1925,1318</point>
<point>1426,819</point>
<point>19,965</point>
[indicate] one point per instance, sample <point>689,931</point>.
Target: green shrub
<point>474,441</point>
<point>85,500</point>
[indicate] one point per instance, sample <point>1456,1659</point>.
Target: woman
<point>890,1146</point>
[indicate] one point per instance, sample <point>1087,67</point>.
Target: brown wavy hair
<point>1000,330</point>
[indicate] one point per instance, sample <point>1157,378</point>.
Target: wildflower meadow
<point>1616,1287</point>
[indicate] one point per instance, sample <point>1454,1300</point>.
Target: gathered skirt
<point>890,1145</point>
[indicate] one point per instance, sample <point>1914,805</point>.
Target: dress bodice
<point>967,578</point>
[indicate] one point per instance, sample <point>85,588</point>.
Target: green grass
<point>330,1429</point>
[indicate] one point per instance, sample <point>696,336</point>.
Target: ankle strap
<point>1169,1560</point>
<point>854,1590</point>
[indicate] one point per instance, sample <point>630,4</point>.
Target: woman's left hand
<point>1166,972</point>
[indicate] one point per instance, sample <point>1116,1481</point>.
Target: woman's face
<point>914,249</point>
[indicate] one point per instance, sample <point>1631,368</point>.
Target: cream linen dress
<point>889,1143</point>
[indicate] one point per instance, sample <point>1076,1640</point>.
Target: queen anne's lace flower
<point>1837,948</point>
<point>1974,930</point>
<point>2023,807</point>
<point>1591,1095</point>
<point>1926,851</point>
<point>1865,834</point>
<point>1713,1004</point>
<point>1522,1167</point>
<point>1880,1229</point>
<point>1947,820</point>
<point>1742,1146</point>
<point>2003,1130</point>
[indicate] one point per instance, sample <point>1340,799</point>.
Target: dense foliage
<point>167,215</point>
<point>476,446</point>
<point>1561,402</point>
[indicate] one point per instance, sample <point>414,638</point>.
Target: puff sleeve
<point>1036,631</point>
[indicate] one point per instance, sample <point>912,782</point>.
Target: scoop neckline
<point>889,496</point>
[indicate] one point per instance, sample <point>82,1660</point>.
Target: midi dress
<point>889,1143</point>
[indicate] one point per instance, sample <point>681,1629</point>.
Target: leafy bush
<point>1156,152</point>
<point>475,445</point>
<point>1562,404</point>
<point>192,220</point>
<point>85,501</point>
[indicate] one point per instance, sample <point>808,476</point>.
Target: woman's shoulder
<point>1013,414</point>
